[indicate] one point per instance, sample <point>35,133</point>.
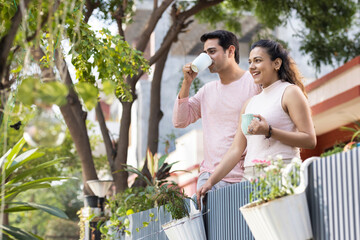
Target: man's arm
<point>186,110</point>
<point>189,76</point>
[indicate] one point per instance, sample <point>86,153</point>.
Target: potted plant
<point>189,227</point>
<point>342,147</point>
<point>157,194</point>
<point>15,179</point>
<point>278,207</point>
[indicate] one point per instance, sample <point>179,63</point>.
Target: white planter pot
<point>280,219</point>
<point>189,228</point>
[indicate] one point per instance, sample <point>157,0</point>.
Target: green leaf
<point>129,212</point>
<point>53,92</point>
<point>130,168</point>
<point>348,129</point>
<point>27,90</point>
<point>89,94</point>
<point>145,224</point>
<point>127,223</point>
<point>17,190</point>
<point>17,70</point>
<point>21,160</point>
<point>19,209</point>
<point>4,158</point>
<point>14,151</point>
<point>31,171</point>
<point>17,233</point>
<point>44,207</point>
<point>162,160</point>
<point>109,87</point>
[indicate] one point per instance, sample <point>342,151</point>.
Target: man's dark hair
<point>226,39</point>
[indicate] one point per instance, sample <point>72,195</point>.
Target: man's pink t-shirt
<point>219,106</point>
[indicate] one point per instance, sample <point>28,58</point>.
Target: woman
<point>282,122</point>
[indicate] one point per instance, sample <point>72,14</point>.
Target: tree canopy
<point>329,32</point>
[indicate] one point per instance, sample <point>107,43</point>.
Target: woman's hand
<point>258,126</point>
<point>202,191</point>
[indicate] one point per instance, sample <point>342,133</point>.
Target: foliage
<point>225,13</point>
<point>156,193</point>
<point>62,229</point>
<point>93,53</point>
<point>355,130</point>
<point>14,182</point>
<point>64,195</point>
<point>130,201</point>
<point>33,91</point>
<point>275,180</point>
<point>69,165</point>
<point>336,149</point>
<point>113,58</point>
<point>327,41</point>
<point>339,147</point>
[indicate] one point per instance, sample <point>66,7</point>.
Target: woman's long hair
<point>288,71</point>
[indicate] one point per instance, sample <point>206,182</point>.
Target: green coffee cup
<point>245,122</point>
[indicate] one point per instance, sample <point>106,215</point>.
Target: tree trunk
<point>75,119</point>
<point>120,177</point>
<point>155,103</point>
<point>80,137</point>
<point>109,145</point>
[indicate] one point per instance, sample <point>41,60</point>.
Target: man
<point>218,103</point>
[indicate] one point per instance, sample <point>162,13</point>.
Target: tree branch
<point>7,41</point>
<point>198,7</point>
<point>151,24</point>
<point>119,15</point>
<point>178,25</point>
<point>110,150</point>
<point>90,7</point>
<point>79,114</point>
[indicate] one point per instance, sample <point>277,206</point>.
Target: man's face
<point>216,53</point>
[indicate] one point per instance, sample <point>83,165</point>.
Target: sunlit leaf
<point>53,93</point>
<point>89,94</point>
<point>109,87</point>
<point>129,212</point>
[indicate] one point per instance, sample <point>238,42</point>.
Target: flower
<point>257,161</point>
<point>275,179</point>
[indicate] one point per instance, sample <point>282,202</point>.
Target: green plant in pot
<point>278,199</point>
<point>340,147</point>
<point>16,179</point>
<point>355,138</point>
<point>157,193</point>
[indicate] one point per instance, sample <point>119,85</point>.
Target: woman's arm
<point>228,162</point>
<point>296,105</point>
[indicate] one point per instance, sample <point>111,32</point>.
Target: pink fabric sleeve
<point>187,110</point>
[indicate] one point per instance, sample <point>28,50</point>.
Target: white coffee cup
<point>201,62</point>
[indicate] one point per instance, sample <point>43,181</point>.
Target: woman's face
<point>262,68</point>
